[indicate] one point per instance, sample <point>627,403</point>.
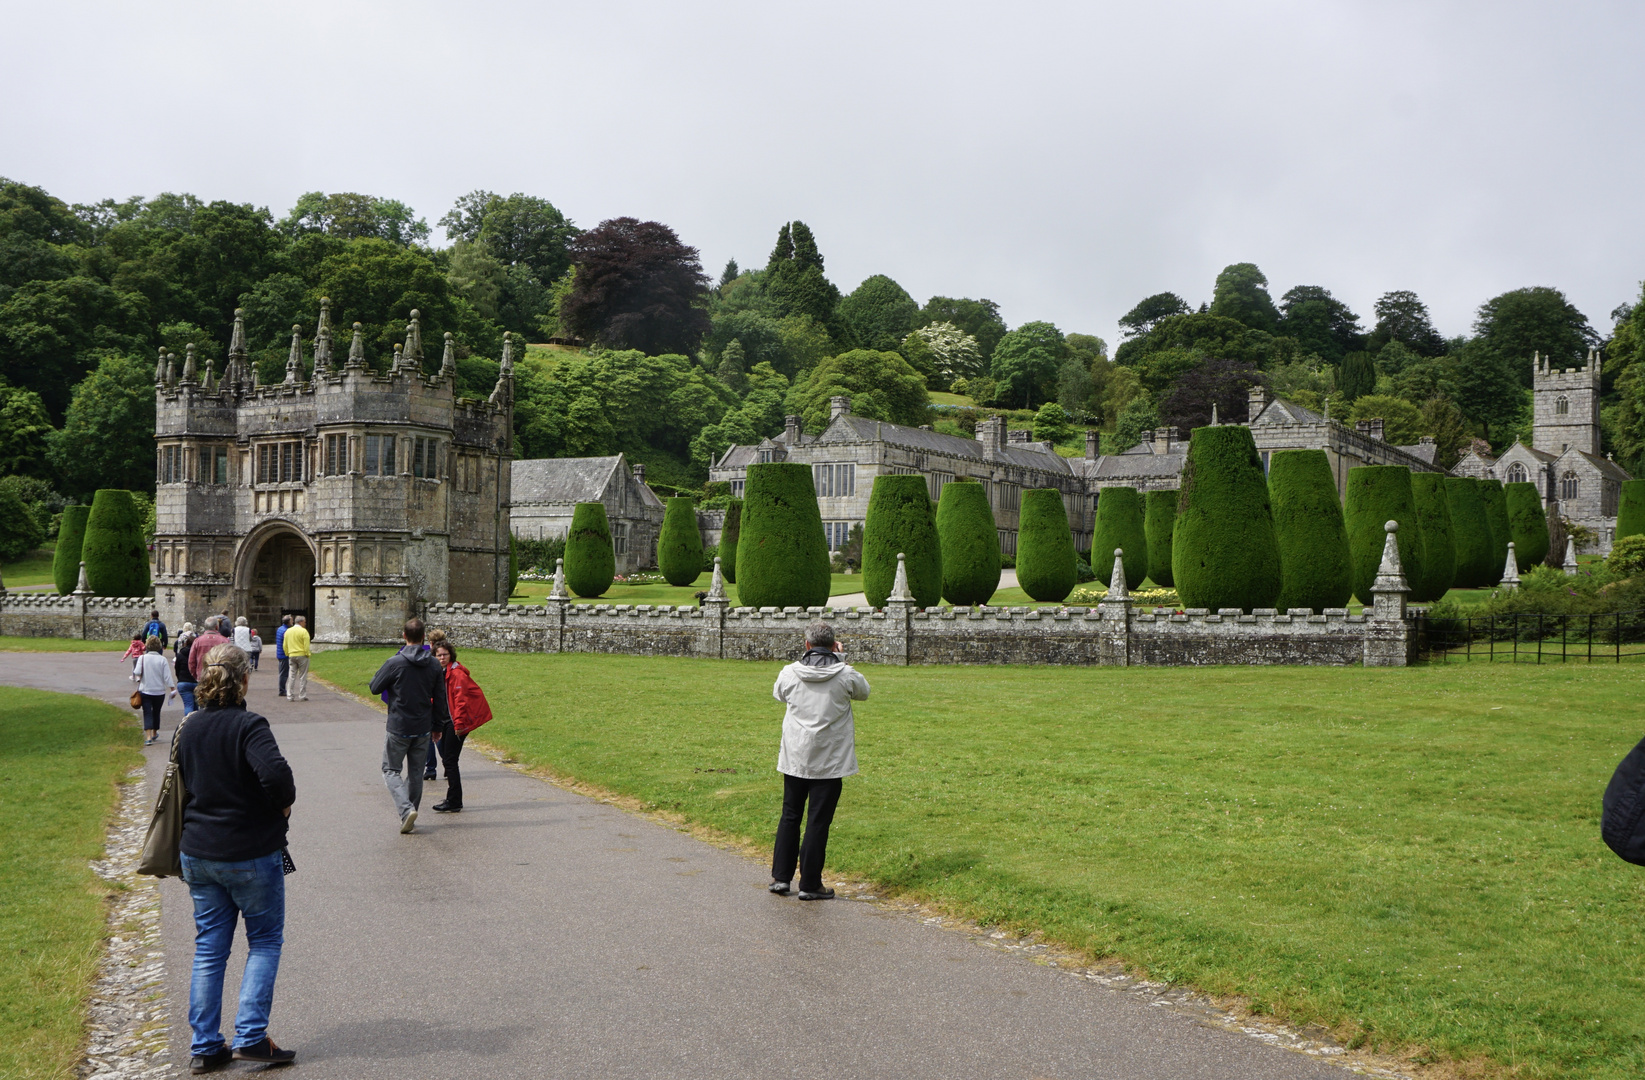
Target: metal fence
<point>1531,638</point>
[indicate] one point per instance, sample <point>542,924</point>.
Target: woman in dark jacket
<point>238,795</point>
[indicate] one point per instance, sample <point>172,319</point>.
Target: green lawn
<point>1411,857</point>
<point>943,397</point>
<point>32,569</point>
<point>534,592</point>
<point>60,762</point>
<point>57,644</point>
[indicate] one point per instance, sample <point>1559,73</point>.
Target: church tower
<point>1565,412</point>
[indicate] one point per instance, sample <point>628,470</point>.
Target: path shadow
<point>386,1038</point>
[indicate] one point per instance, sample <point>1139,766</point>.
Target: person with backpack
<point>185,677</point>
<point>155,628</point>
<point>469,709</point>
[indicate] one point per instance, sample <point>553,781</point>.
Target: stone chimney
<point>791,429</point>
<point>839,405</point>
<point>991,433</point>
<point>1370,428</point>
<point>1257,400</point>
<point>639,472</point>
<point>1163,438</point>
<point>1093,443</point>
<point>1018,435</point>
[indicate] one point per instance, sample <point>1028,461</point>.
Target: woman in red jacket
<point>469,710</point>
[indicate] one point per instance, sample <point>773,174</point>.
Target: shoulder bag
<point>163,846</point>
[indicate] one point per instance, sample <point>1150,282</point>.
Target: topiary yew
<point>1432,501</point>
<point>679,544</point>
<point>71,537</point>
<point>116,558</point>
<point>1470,533</point>
<point>1376,495</point>
<point>729,532</point>
<point>1159,524</point>
<point>782,554</point>
<point>590,562</point>
<point>1120,525</point>
<point>970,544</point>
<point>1630,509</point>
<point>1223,551</point>
<point>1527,523</point>
<point>1308,528</point>
<point>901,519</point>
<point>1045,547</point>
<point>1496,513</point>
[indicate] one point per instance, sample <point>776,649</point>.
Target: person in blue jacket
<point>280,651</point>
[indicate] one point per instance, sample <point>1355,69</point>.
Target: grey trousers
<point>409,753</point>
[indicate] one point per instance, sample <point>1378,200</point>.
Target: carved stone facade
<point>343,495</point>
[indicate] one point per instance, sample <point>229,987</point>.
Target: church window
<point>1562,405</point>
<point>1568,485</point>
<point>834,481</point>
<point>1516,473</point>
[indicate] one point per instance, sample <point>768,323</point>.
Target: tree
<point>349,215</point>
<point>25,429</point>
<point>728,275</point>
<point>1223,383</point>
<point>1074,387</point>
<point>1051,423</point>
<point>1511,327</point>
<point>1026,362</point>
<point>1630,509</point>
<point>53,332</point>
<point>1242,294</point>
<point>20,533</point>
<point>1438,569</point>
<point>1120,524</point>
<point>1223,551</point>
<point>882,386</point>
<point>1141,320</point>
<point>1496,516</point>
<point>794,276</point>
<point>731,370</point>
<point>71,538</point>
<point>978,318</point>
<point>1308,528</point>
<point>1403,317</point>
<point>590,560</point>
<point>478,277</point>
<point>901,520</point>
<point>1487,390</point>
<point>1402,423</point>
<point>1450,430</point>
<point>730,533</point>
<point>1135,419</point>
<point>1159,525</point>
<point>955,354</point>
<point>108,435</point>
<point>116,558</point>
<point>1376,495</point>
<point>1527,523</point>
<point>1470,534</point>
<point>782,555</point>
<point>1357,375</point>
<point>637,287</point>
<point>679,544</point>
<point>877,315</point>
<point>970,543</point>
<point>1195,336</point>
<point>1320,323</point>
<point>1045,546</point>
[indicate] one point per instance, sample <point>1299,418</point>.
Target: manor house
<point>340,494</point>
<point>546,492</point>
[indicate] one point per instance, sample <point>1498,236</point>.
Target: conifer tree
<point>782,555</point>
<point>794,276</point>
<point>970,544</point>
<point>1223,552</point>
<point>1045,547</point>
<point>1528,524</point>
<point>1378,494</point>
<point>901,520</point>
<point>71,536</point>
<point>1120,525</point>
<point>116,558</point>
<point>733,371</point>
<point>1160,524</point>
<point>1308,527</point>
<point>1439,555</point>
<point>1496,515</point>
<point>1471,534</point>
<point>679,544</point>
<point>1630,509</point>
<point>729,534</point>
<point>590,561</point>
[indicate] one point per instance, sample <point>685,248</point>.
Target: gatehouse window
<point>1516,473</point>
<point>1562,405</point>
<point>425,458</point>
<point>280,463</point>
<point>834,481</point>
<point>379,455</point>
<point>336,455</point>
<point>1568,485</point>
<point>171,464</point>
<point>213,465</point>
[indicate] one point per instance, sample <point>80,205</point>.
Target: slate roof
<point>1540,455</point>
<point>561,480</point>
<point>1137,467</point>
<point>1280,411</point>
<point>1605,466</point>
<point>850,428</point>
<point>1422,451</point>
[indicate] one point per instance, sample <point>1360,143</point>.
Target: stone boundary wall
<point>78,615</point>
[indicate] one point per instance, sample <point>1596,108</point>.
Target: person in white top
<point>819,749</point>
<point>151,671</point>
<point>242,634</point>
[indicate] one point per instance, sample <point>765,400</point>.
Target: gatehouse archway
<point>274,577</point>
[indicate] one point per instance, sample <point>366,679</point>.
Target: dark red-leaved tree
<point>637,287</point>
<point>1187,404</point>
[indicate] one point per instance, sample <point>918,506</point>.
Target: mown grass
<point>33,568</point>
<point>534,592</point>
<point>1410,857</point>
<point>61,759</point>
<point>57,644</point>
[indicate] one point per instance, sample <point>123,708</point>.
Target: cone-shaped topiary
<point>1120,525</point>
<point>590,562</point>
<point>1496,513</point>
<point>901,519</point>
<point>1630,509</point>
<point>1308,527</point>
<point>513,567</point>
<point>1527,524</point>
<point>1432,500</point>
<point>116,559</point>
<point>1223,552</point>
<point>729,532</point>
<point>782,555</point>
<point>71,536</point>
<point>1160,522</point>
<point>1045,547</point>
<point>970,544</point>
<point>1378,494</point>
<point>679,544</point>
<point>1471,534</point>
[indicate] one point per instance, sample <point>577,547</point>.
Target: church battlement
<point>1565,409</point>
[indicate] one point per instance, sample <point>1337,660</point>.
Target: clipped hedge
<point>970,544</point>
<point>1471,533</point>
<point>729,533</point>
<point>1223,551</point>
<point>1496,514</point>
<point>117,562</point>
<point>1159,524</point>
<point>901,519</point>
<point>71,537</point>
<point>513,567</point>
<point>1308,528</point>
<point>590,562</point>
<point>1527,524</point>
<point>1439,555</point>
<point>1045,546</point>
<point>1120,525</point>
<point>1376,495</point>
<point>1630,509</point>
<point>679,544</point>
<point>782,554</point>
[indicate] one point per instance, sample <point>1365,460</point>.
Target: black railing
<point>1532,638</point>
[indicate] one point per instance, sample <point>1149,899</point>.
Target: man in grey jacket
<point>819,749</point>
<point>414,685</point>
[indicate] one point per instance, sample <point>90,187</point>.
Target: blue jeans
<point>223,891</point>
<point>185,690</point>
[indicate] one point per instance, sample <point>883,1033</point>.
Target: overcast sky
<point>1062,159</point>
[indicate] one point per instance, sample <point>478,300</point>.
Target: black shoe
<point>204,1063</point>
<point>820,894</point>
<point>447,808</point>
<point>430,776</point>
<point>265,1052</point>
<point>778,887</point>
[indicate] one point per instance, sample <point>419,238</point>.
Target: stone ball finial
<point>1390,526</point>
<point>239,312</point>
<point>357,326</point>
<point>325,301</point>
<point>448,335</point>
<point>297,328</point>
<point>1119,553</point>
<point>415,314</point>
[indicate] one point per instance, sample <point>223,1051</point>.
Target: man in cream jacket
<point>819,749</point>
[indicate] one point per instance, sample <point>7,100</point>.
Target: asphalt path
<point>543,934</point>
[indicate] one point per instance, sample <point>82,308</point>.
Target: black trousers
<point>151,711</point>
<point>451,745</point>
<point>824,796</point>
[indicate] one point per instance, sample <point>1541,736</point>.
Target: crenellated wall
<point>79,615</point>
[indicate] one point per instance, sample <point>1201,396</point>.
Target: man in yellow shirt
<point>297,652</point>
